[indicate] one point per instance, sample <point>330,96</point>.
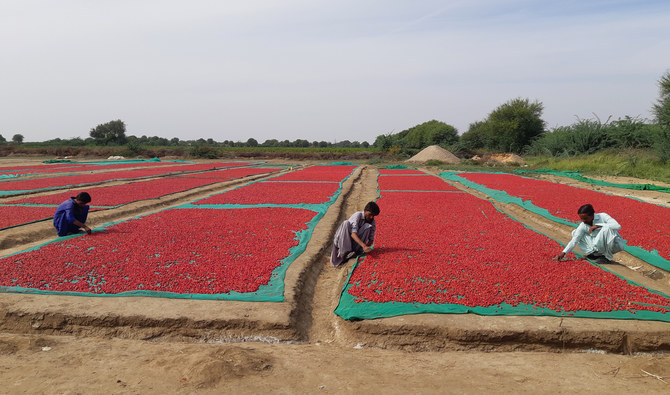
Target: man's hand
<point>367,249</point>
<point>594,227</point>
<point>81,225</point>
<point>560,256</point>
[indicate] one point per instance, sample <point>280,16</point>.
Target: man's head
<point>586,213</point>
<point>82,199</point>
<point>371,211</point>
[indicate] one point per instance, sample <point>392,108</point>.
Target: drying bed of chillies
<point>454,253</point>
<point>277,193</point>
<point>212,252</point>
<point>415,182</point>
<point>38,167</point>
<point>116,195</point>
<point>644,225</point>
<point>233,173</point>
<point>400,171</point>
<point>112,196</point>
<point>82,167</point>
<point>181,251</point>
<point>333,173</point>
<point>18,215</point>
<point>13,186</point>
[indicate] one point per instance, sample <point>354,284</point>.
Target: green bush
<point>583,137</point>
<point>663,145</point>
<point>419,137</point>
<point>632,133</point>
<point>509,128</point>
<point>204,151</point>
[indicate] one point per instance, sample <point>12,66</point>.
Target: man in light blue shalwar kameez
<point>597,236</point>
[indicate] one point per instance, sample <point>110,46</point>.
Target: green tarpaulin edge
<point>579,177</point>
<point>349,309</point>
<point>265,293</point>
<point>651,257</point>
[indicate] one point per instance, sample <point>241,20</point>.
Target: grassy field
<point>623,163</point>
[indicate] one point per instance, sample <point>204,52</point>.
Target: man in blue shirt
<point>71,215</point>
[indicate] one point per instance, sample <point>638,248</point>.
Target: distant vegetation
<point>517,126</point>
<point>420,136</point>
<point>509,128</point>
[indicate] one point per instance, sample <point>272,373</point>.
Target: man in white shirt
<point>597,236</point>
<point>355,235</point>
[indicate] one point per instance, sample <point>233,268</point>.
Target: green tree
<point>2,140</point>
<point>113,132</point>
<point>662,107</point>
<point>301,143</point>
<point>510,127</point>
<point>384,142</point>
<point>429,133</point>
<point>17,138</point>
<point>252,142</point>
<point>662,112</point>
<point>476,136</point>
<point>420,136</point>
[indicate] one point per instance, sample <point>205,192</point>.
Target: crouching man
<point>355,236</point>
<point>597,236</point>
<point>71,215</point>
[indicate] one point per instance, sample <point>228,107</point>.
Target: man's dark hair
<point>372,207</point>
<point>84,197</point>
<point>586,209</point>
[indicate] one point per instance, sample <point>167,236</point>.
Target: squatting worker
<point>597,236</point>
<point>355,235</point>
<point>71,215</point>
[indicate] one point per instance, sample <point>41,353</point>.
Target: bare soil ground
<point>69,344</point>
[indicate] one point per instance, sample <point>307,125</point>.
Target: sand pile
<point>434,152</point>
<point>504,159</point>
<point>507,158</point>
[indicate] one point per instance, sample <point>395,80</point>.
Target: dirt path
<point>327,327</point>
<point>68,365</point>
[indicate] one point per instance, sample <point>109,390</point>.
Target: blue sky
<point>320,70</point>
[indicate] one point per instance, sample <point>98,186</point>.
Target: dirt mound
<point>507,158</point>
<point>434,152</point>
<point>504,159</point>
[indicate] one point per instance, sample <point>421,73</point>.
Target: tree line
<point>113,133</point>
<point>517,126</point>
